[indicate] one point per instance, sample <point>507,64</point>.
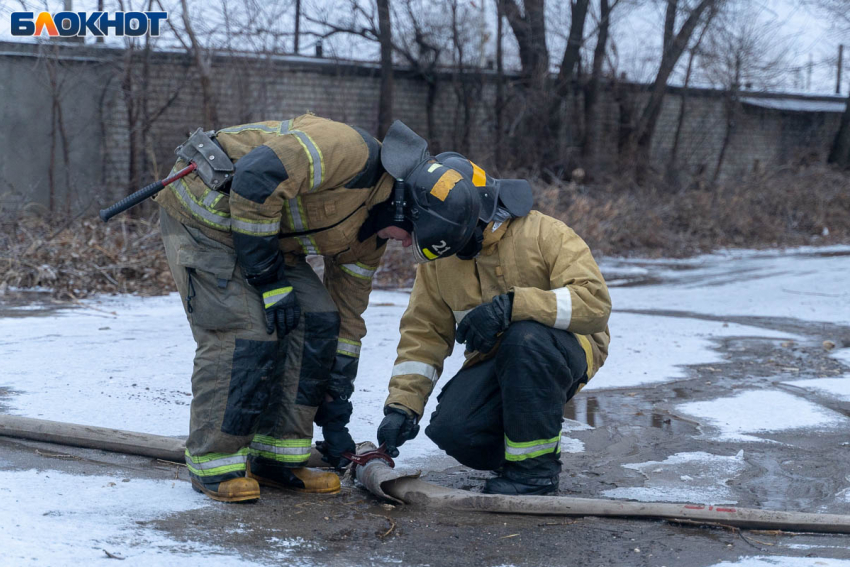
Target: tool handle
<point>134,199</point>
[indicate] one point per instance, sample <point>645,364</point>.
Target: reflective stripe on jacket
<point>554,279</point>
<point>326,177</point>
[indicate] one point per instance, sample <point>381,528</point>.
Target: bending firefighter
<point>278,348</point>
<point>532,309</point>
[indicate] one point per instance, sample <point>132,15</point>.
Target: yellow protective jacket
<point>554,279</point>
<point>328,178</point>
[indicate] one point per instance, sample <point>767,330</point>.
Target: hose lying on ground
<point>116,440</point>
<point>386,483</point>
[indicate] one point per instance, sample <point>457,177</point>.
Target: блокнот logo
<point>98,24</point>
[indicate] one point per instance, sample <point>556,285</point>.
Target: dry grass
<point>789,207</point>
<point>85,257</point>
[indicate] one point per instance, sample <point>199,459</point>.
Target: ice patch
<point>125,362</point>
<point>810,546</point>
<point>70,520</point>
<point>843,355</point>
<point>568,425</point>
<point>647,349</point>
<point>837,387</point>
<point>684,477</point>
<point>803,283</point>
<point>778,561</point>
<point>570,445</point>
<point>761,411</point>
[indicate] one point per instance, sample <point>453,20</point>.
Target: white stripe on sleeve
<point>411,367</point>
<point>565,308</point>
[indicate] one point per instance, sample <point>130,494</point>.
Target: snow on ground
<point>780,561</point>
<point>803,283</point>
<point>54,518</point>
<point>842,355</point>
<point>647,349</point>
<point>739,417</point>
<point>838,388</point>
<point>685,477</point>
<point>125,363</point>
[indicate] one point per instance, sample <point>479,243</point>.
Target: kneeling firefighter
<point>531,306</point>
<point>277,348</point>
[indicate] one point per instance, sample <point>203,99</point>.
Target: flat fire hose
<point>377,476</point>
<point>385,482</point>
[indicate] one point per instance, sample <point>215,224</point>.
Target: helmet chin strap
<point>398,197</point>
<point>473,247</point>
<point>502,214</point>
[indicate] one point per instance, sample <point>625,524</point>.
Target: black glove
<point>281,305</point>
<point>482,326</point>
<point>332,417</point>
<point>397,427</point>
<point>343,373</point>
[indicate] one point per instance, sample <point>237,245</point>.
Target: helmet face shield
<point>417,251</point>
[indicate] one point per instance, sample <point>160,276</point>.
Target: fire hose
<point>373,468</point>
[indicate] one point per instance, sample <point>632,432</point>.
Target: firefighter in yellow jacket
<point>532,309</point>
<point>277,348</point>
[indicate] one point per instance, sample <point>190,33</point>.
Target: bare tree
<point>742,50</point>
<point>385,37</point>
<point>591,89</point>
<point>839,12</point>
<point>203,65</point>
<point>529,27</point>
<point>414,38</point>
<point>639,142</point>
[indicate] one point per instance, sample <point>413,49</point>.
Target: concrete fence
<point>68,112</point>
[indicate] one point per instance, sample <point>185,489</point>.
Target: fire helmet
<point>447,199</point>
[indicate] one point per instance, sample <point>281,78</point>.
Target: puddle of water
<point>594,411</point>
<point>26,303</point>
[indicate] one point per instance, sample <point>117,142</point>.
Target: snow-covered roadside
<point>54,518</point>
<point>125,362</point>
<point>802,283</point>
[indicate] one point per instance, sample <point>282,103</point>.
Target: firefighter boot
<point>299,479</point>
<point>233,490</point>
<point>521,483</point>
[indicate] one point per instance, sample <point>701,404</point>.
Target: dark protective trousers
<point>507,411</point>
<point>254,394</point>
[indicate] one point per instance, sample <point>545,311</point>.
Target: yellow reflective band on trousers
<point>281,450</point>
<point>273,296</point>
<point>359,270</point>
<point>214,464</point>
<point>348,348</point>
<point>520,451</point>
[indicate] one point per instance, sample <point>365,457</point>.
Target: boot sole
<point>243,497</point>
<point>266,482</point>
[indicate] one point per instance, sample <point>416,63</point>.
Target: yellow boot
<point>233,490</point>
<point>299,479</point>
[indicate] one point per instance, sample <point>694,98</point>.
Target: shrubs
<point>790,207</point>
<point>85,257</point>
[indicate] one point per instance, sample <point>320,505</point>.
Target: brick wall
<point>250,89</point>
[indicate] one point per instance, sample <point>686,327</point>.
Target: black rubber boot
<point>521,484</point>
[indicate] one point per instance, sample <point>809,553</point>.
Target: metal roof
<point>797,104</point>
